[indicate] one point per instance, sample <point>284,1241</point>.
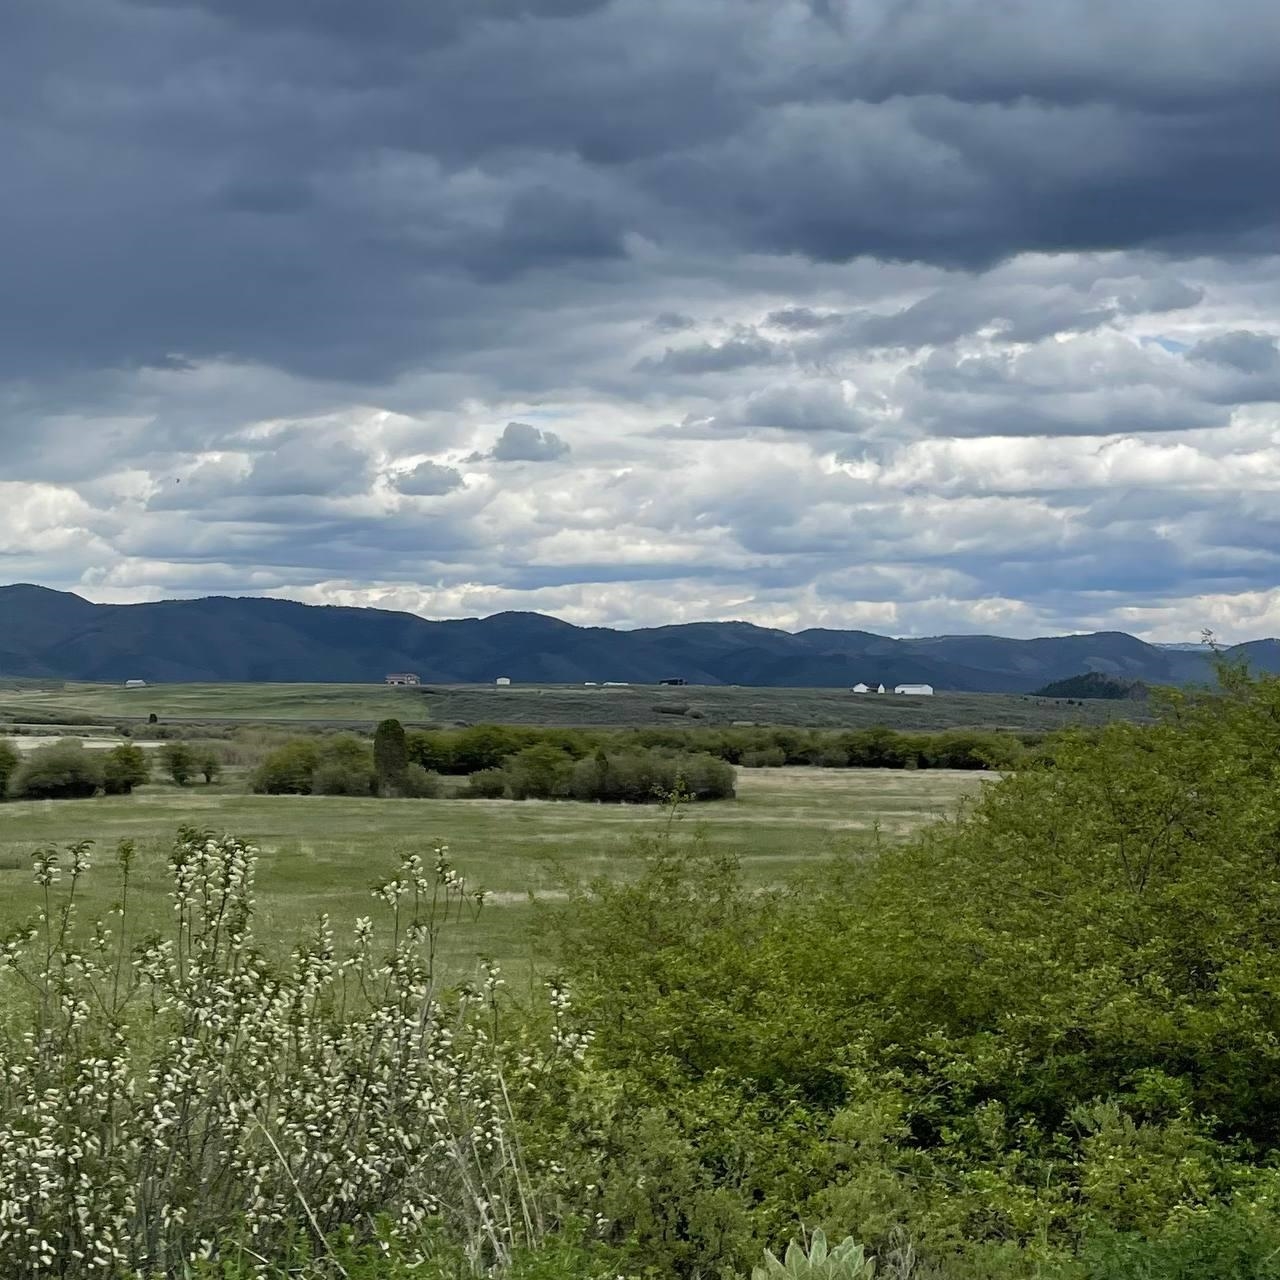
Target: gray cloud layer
<point>938,315</point>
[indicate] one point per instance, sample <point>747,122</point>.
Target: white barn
<point>920,690</point>
<point>503,681</point>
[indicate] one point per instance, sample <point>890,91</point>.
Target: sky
<point>917,316</point>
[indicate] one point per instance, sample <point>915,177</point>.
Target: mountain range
<point>46,634</point>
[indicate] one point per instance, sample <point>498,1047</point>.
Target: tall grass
<point>169,1099</point>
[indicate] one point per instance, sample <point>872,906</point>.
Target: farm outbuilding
<point>920,690</point>
<point>135,684</point>
<point>403,677</point>
<point>503,681</point>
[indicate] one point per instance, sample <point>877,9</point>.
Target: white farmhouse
<point>920,690</point>
<point>861,688</point>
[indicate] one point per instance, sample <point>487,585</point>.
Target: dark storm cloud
<point>244,177</point>
<point>260,257</point>
<point>387,22</point>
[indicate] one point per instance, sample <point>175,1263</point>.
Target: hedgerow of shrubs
<point>347,765</point>
<point>544,772</point>
<point>469,751</point>
<point>343,765</point>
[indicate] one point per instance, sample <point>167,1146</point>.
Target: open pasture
<point>562,705</point>
<point>322,854</point>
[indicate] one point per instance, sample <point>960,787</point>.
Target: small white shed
<point>503,680</point>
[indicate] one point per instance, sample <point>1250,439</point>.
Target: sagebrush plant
<point>846,1261</point>
<point>177,1100</point>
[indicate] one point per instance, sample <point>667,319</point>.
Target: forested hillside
<point>50,634</point>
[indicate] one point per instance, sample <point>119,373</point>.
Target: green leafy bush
<point>179,761</point>
<point>538,773</point>
<point>289,769</point>
<point>650,777</point>
<point>1050,1019</point>
<point>209,765</point>
<point>123,768</point>
<point>486,784</point>
<point>417,784</point>
<point>61,771</point>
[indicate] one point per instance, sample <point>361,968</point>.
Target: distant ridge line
<point>50,634</point>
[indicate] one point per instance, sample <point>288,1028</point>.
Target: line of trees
<point>346,765</point>
<point>480,747</point>
<point>66,770</point>
<point>547,770</point>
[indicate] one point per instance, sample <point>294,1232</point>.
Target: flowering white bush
<point>175,1100</point>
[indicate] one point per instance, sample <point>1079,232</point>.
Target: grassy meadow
<point>321,854</point>
<point>563,705</point>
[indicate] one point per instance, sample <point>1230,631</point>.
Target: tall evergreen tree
<point>390,754</point>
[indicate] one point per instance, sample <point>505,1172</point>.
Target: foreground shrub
<point>1219,1245</point>
<point>61,771</point>
<point>195,1103</point>
<point>1050,1020</point>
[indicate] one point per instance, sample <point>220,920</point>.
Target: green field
<point>323,854</point>
<point>365,704</point>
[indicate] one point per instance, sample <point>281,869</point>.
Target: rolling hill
<point>46,634</point>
